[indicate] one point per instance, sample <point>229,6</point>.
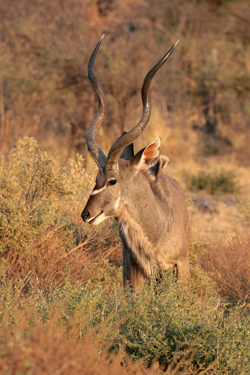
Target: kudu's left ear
<point>128,152</point>
<point>148,156</point>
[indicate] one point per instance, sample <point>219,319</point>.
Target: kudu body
<point>149,205</point>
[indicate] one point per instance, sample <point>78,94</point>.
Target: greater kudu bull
<point>149,205</point>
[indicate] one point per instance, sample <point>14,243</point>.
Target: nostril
<point>85,215</point>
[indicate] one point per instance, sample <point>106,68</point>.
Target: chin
<point>98,219</point>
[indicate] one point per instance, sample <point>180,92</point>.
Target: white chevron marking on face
<point>98,219</point>
<point>117,203</point>
<point>94,192</point>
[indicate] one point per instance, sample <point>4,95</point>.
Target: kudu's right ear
<point>148,156</point>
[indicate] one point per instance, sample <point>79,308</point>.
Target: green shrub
<point>37,195</point>
<point>160,321</point>
<point>222,182</point>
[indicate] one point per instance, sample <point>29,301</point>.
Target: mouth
<point>95,218</point>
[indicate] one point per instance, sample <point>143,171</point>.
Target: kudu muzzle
<point>85,215</point>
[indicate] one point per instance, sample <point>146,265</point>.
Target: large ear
<point>128,152</point>
<point>148,156</point>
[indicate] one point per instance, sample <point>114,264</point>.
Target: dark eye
<point>112,182</point>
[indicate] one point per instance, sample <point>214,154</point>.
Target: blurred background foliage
<point>200,98</point>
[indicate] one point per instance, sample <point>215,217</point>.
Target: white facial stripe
<point>94,192</point>
<point>117,203</point>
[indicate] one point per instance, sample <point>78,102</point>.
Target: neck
<point>142,211</point>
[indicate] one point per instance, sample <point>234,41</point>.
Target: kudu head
<point>118,170</point>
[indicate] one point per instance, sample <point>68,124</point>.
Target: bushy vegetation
<point>62,304</point>
<point>35,193</point>
<point>218,182</point>
<point>163,322</point>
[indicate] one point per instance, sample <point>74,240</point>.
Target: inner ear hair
<point>152,151</point>
<point>148,156</point>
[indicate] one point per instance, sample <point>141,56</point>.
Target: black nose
<point>85,215</point>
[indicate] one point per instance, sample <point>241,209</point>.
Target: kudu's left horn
<point>129,137</point>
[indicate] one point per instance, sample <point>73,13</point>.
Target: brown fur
<point>150,174</point>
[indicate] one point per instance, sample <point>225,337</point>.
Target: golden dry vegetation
<point>200,109</point>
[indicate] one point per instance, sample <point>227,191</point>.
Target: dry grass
<point>228,263</point>
<point>49,259</point>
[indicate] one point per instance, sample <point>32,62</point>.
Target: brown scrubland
<point>62,306</point>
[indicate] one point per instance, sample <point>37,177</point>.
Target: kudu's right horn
<point>94,150</point>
